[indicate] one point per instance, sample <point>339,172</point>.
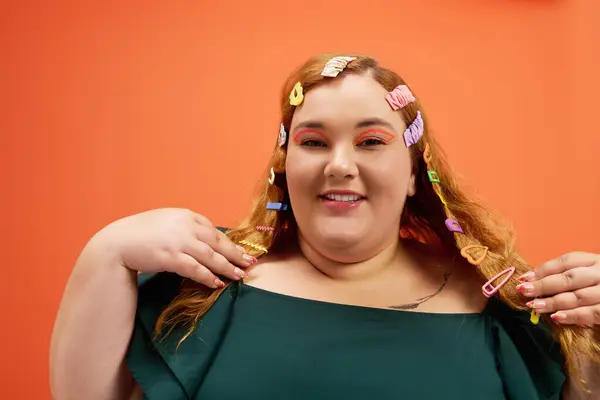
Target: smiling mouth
<point>349,198</point>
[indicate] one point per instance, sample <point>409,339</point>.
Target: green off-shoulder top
<point>257,344</point>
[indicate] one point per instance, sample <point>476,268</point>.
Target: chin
<point>339,235</point>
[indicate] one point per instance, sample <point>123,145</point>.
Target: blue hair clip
<point>277,206</point>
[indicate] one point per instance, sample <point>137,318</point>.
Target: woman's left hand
<point>568,287</point>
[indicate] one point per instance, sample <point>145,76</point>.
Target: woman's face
<point>348,169</point>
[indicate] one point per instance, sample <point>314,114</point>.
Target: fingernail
<point>219,283</point>
<point>249,259</point>
<point>559,316</point>
<point>239,273</point>
<point>527,277</point>
<point>526,289</point>
<point>536,304</point>
<point>240,248</point>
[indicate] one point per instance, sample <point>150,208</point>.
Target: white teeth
<point>339,197</point>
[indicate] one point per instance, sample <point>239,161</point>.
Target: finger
<point>220,243</point>
<point>202,220</point>
<point>214,261</point>
<point>588,296</point>
<point>561,264</point>
<point>188,267</point>
<point>587,316</point>
<point>566,281</point>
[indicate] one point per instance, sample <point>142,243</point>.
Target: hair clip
<point>272,177</point>
<point>265,228</point>
<point>453,225</point>
<point>433,176</point>
<point>254,246</point>
<point>436,189</point>
<point>427,154</point>
<point>296,96</point>
<point>466,253</point>
<point>336,65</point>
<point>282,135</point>
<point>414,132</point>
<point>489,290</point>
<point>400,97</point>
<point>535,317</point>
<point>277,206</point>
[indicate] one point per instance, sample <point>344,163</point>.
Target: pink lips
<point>341,206</point>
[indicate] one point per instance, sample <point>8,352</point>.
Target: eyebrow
<point>365,123</point>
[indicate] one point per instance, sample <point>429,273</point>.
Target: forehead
<point>347,100</point>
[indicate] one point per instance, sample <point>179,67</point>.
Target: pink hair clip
<point>489,290</point>
<point>265,228</point>
<point>414,132</point>
<point>400,97</point>
<point>336,65</point>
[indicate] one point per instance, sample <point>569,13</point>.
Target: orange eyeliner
<point>387,136</point>
<point>307,131</point>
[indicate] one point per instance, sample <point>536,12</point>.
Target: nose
<point>342,163</point>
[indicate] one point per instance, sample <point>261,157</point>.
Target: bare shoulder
<point>273,270</point>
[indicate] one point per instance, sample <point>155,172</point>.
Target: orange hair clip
<point>427,154</point>
<point>467,250</point>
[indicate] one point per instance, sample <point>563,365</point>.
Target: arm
<point>93,328</point>
<point>96,317</point>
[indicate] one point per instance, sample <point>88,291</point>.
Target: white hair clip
<point>336,65</point>
<point>282,136</point>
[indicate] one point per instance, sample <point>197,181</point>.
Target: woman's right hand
<point>175,240</point>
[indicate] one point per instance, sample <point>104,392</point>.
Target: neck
<point>375,267</point>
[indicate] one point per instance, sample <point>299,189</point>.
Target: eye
<point>370,142</point>
<point>374,137</point>
<point>312,143</point>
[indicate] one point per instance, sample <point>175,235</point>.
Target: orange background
<point>111,109</point>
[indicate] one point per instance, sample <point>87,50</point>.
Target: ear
<point>412,186</point>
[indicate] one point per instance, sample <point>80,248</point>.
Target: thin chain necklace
<point>412,306</point>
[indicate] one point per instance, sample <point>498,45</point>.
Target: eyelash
<point>367,142</point>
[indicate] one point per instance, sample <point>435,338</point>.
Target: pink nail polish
<point>240,248</point>
<point>249,259</point>
<point>529,304</point>
<point>526,288</point>
<point>529,276</point>
<point>559,316</point>
<point>219,283</point>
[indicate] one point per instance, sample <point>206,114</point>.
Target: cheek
<point>302,173</point>
<point>389,178</point>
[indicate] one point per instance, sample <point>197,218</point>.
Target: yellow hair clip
<point>437,191</point>
<point>535,317</point>
<point>254,246</point>
<point>272,177</point>
<point>296,96</point>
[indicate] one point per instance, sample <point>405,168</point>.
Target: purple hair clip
<point>414,132</point>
